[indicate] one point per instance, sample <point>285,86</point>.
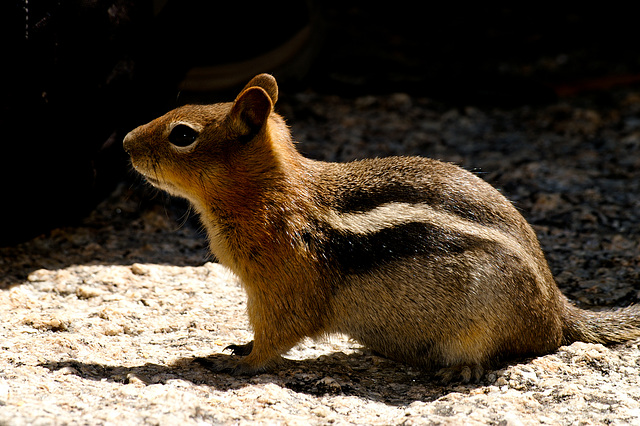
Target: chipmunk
<point>417,259</point>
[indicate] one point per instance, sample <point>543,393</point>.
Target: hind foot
<point>461,373</point>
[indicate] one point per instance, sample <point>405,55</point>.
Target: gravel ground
<point>103,323</point>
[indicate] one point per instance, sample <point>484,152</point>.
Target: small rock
<point>112,329</point>
<point>271,394</point>
<point>329,384</point>
<point>39,275</point>
<point>321,411</point>
<point>87,292</point>
<point>501,381</point>
<point>134,379</point>
<point>139,269</point>
<point>68,370</point>
<point>52,323</point>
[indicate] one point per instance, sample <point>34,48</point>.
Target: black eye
<point>182,135</point>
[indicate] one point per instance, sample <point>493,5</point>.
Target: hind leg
<point>464,357</point>
<point>464,373</point>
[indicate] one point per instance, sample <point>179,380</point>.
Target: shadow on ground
<point>362,374</point>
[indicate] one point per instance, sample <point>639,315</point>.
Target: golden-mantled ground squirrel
<point>417,259</point>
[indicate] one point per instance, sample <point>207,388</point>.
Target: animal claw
<point>240,350</point>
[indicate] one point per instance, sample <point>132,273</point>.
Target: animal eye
<point>182,135</point>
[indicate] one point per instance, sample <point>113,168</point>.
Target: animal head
<point>203,151</point>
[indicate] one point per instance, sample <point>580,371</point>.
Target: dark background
<point>78,75</point>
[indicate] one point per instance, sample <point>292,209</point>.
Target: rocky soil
<point>106,322</point>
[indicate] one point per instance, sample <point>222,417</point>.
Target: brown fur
<point>417,259</point>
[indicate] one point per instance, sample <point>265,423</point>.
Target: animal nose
<point>126,143</point>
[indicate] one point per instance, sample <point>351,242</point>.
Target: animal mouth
<point>161,184</point>
<point>146,174</point>
<point>152,180</point>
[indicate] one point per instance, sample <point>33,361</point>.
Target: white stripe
<point>384,216</point>
<point>395,214</point>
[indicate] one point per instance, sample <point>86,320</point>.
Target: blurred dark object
<point>478,53</point>
<point>80,74</point>
<point>213,48</point>
<point>67,82</point>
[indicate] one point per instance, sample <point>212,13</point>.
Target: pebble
<point>139,269</point>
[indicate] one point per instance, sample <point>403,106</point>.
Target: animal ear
<point>253,105</point>
<point>250,111</point>
<point>267,82</point>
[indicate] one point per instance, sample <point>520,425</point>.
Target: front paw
<point>240,350</point>
<point>233,366</point>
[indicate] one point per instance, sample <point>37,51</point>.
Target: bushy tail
<point>604,327</point>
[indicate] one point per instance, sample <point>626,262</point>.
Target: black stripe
<point>354,253</point>
<point>365,199</point>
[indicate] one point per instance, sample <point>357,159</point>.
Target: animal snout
<point>127,142</point>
